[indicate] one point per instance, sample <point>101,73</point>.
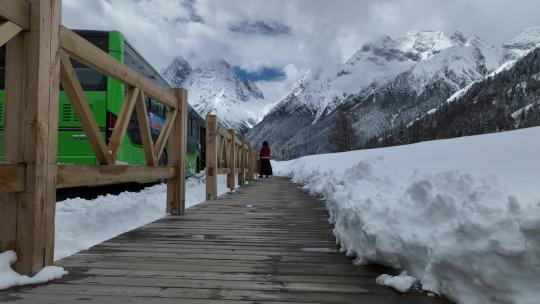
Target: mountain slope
<point>389,81</point>
<point>215,88</point>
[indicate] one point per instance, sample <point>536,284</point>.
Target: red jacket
<point>265,153</point>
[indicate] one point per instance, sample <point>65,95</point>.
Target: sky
<point>274,42</point>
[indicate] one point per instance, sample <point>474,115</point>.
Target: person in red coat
<point>266,167</point>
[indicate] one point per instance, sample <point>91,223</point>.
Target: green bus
<point>105,96</point>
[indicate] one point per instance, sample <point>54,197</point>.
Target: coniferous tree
<point>342,135</point>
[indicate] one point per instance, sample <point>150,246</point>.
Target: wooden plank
<point>121,125</point>
<point>89,175</point>
<point>76,95</point>
<point>231,183</point>
<point>12,178</point>
<point>8,30</point>
<point>211,157</point>
<point>176,187</point>
<point>144,127</point>
<point>87,53</point>
<point>17,11</point>
<point>164,134</point>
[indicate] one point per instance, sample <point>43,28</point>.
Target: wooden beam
<point>12,178</point>
<point>221,151</point>
<point>38,121</point>
<point>76,95</point>
<point>231,183</point>
<point>8,30</point>
<point>144,127</point>
<point>223,171</point>
<point>211,157</point>
<point>87,53</point>
<point>91,175</point>
<point>16,11</point>
<point>121,125</point>
<point>176,187</point>
<point>13,135</point>
<point>224,132</point>
<point>241,172</point>
<point>164,134</point>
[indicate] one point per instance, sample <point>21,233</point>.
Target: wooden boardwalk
<point>269,242</point>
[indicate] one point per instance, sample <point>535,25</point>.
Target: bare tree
<point>342,135</point>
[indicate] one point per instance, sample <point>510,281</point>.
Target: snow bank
<point>81,224</point>
<point>461,215</point>
<point>9,278</point>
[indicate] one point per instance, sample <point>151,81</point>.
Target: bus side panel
<point>73,145</point>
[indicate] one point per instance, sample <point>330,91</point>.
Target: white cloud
<point>319,32</point>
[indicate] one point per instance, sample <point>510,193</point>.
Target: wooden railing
<point>227,153</point>
<point>38,52</point>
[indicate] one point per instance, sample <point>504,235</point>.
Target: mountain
<point>507,100</point>
<point>388,83</point>
<point>215,88</point>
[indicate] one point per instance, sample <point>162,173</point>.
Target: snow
<point>461,215</point>
<point>401,283</point>
<point>81,224</point>
<point>10,278</point>
<point>215,88</point>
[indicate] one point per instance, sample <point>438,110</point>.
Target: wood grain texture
<point>8,30</point>
<point>176,187</point>
<point>90,175</point>
<point>17,11</point>
<point>12,178</point>
<point>269,242</point>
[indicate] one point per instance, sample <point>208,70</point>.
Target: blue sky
<point>265,73</point>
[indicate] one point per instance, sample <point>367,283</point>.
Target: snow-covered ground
<point>81,224</point>
<point>460,215</point>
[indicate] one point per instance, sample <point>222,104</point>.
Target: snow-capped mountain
<point>215,88</point>
<point>388,82</point>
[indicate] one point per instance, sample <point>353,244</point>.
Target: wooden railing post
<point>211,157</point>
<point>31,130</point>
<point>242,171</point>
<point>176,153</point>
<point>249,164</point>
<point>231,183</point>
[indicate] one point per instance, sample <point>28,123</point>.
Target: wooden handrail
<point>226,153</point>
<point>79,175</point>
<point>90,55</point>
<point>31,174</point>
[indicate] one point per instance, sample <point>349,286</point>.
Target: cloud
<point>260,34</point>
<point>261,27</point>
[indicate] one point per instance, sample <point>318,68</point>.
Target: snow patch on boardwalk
<point>461,215</point>
<point>10,278</point>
